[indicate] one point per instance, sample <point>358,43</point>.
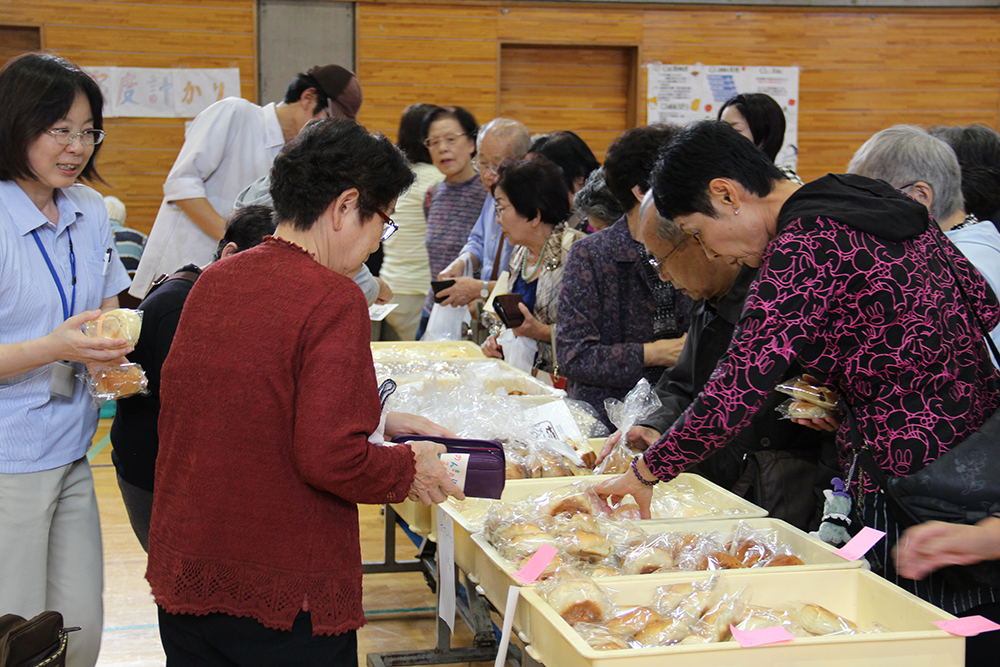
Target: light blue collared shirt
<point>483,240</point>
<point>39,431</point>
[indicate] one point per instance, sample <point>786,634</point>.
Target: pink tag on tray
<point>860,544</point>
<point>536,564</point>
<point>751,638</point>
<point>969,626</point>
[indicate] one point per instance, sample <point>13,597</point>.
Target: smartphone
<point>507,310</point>
<point>437,286</point>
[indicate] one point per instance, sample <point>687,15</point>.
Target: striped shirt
<point>453,211</point>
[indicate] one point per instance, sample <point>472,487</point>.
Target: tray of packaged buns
<point>483,375</point>
<point>413,350</point>
<point>685,497</point>
<point>834,617</point>
<point>609,550</point>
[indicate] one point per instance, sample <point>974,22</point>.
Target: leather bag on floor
<point>38,642</point>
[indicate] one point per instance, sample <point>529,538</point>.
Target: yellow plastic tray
<point>855,594</point>
<point>413,350</point>
<point>496,574</point>
<point>517,489</point>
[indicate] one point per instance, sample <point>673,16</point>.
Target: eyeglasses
<point>498,209</point>
<point>63,136</point>
<point>485,167</point>
<point>658,264</point>
<point>907,186</point>
<point>389,227</point>
<point>448,140</point>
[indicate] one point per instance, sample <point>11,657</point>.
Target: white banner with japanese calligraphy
<point>685,93</point>
<point>163,93</point>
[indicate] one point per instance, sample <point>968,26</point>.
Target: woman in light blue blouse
<point>58,269</point>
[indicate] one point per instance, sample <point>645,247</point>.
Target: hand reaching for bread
<point>431,484</point>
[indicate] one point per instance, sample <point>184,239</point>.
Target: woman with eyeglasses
<point>452,206</point>
<point>58,269</point>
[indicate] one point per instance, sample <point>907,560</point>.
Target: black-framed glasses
<point>64,137</point>
<point>388,226</point>
<point>448,140</point>
<point>657,264</point>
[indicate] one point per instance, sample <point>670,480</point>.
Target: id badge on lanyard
<point>62,381</point>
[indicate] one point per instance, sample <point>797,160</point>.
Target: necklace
<point>538,264</point>
<point>970,220</point>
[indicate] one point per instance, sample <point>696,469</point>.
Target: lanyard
<point>67,309</point>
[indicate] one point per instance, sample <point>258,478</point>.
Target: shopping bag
<point>446,323</point>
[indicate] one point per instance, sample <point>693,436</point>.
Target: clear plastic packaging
<point>124,323</point>
<point>640,402</point>
<point>801,390</point>
<point>575,596</point>
<point>109,383</point>
<point>797,409</point>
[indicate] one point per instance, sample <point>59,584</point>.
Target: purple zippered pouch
<point>487,470</point>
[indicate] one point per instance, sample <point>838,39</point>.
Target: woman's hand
<point>403,423</point>
<point>925,548</point>
<point>490,347</point>
<point>614,490</point>
<point>69,343</point>
<point>431,484</point>
<point>531,327</point>
<point>663,352</point>
<point>639,438</point>
<point>830,424</point>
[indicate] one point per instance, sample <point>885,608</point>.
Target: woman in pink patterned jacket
<point>853,286</point>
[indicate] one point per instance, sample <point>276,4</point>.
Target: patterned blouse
<point>876,317</point>
<point>454,209</point>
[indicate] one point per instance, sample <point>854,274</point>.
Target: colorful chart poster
<point>685,93</point>
<point>163,93</point>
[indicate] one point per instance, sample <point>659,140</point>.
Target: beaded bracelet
<point>635,471</point>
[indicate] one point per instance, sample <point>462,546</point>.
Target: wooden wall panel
<point>138,152</point>
<point>862,70</point>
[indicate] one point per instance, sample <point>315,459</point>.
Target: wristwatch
<point>485,291</point>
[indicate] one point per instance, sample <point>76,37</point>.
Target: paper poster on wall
<point>685,93</point>
<point>163,93</point>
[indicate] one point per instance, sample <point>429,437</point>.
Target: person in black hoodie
<point>854,287</point>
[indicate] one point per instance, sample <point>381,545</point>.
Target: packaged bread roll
<point>123,323</point>
<point>574,596</point>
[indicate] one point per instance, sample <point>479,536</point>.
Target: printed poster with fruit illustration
<point>684,93</point>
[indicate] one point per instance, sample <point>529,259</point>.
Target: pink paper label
<point>970,626</point>
<point>751,638</point>
<point>859,546</point>
<point>536,564</point>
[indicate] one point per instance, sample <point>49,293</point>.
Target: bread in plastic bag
<point>110,383</point>
<point>124,323</point>
<point>801,390</point>
<point>575,596</point>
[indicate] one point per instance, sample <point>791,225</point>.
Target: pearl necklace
<point>538,264</point>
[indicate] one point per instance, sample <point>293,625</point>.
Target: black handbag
<point>960,486</point>
<point>38,642</point>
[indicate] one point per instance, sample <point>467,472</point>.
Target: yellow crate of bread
<point>450,349</point>
<point>837,617</point>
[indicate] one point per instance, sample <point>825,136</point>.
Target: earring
<point>736,211</point>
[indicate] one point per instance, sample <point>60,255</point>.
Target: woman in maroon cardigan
<point>269,414</point>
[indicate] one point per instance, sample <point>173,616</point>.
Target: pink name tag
<point>751,638</point>
<point>970,626</point>
<point>536,564</point>
<point>859,546</point>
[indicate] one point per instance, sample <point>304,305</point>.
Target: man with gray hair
<point>908,158</point>
<point>487,251</point>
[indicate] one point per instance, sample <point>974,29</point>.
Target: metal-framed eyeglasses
<point>485,167</point>
<point>658,264</point>
<point>64,137</point>
<point>449,140</point>
<point>388,226</point>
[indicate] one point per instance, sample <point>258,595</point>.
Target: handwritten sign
<point>860,544</point>
<point>152,92</point>
<point>456,466</point>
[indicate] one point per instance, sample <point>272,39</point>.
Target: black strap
<point>190,276</point>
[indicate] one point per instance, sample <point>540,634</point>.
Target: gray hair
<point>596,200</point>
<point>509,131</point>
<point>903,154</point>
<point>666,229</point>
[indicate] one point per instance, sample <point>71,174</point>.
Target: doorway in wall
<point>16,39</point>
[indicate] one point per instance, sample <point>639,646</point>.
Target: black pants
<point>221,640</point>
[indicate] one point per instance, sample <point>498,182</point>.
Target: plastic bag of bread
<point>653,555</point>
<point>692,549</point>
<point>109,383</point>
<point>817,620</point>
<point>619,460</point>
<point>713,626</point>
<point>569,499</point>
<point>517,468</point>
<point>124,323</point>
<point>689,600</point>
<point>801,390</point>
<point>640,402</point>
<point>663,632</point>
<point>600,638</point>
<point>574,596</point>
<point>797,409</point>
<point>628,623</point>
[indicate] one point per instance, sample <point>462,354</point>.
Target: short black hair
<point>247,228</point>
<point>697,155</point>
<point>631,158</point>
<point>978,150</point>
<point>328,157</point>
<point>300,84</point>
<point>569,152</point>
<point>37,90</point>
<point>535,187</point>
<point>468,122</point>
<point>411,138</point>
<point>764,117</point>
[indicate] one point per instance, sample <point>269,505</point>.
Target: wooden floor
<point>130,630</point>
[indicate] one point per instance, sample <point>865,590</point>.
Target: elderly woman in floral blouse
<point>532,208</point>
<point>620,323</point>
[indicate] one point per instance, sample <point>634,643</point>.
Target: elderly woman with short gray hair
<point>908,158</point>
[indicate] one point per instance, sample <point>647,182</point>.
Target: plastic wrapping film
<point>640,402</point>
<point>108,382</point>
<point>808,401</point>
